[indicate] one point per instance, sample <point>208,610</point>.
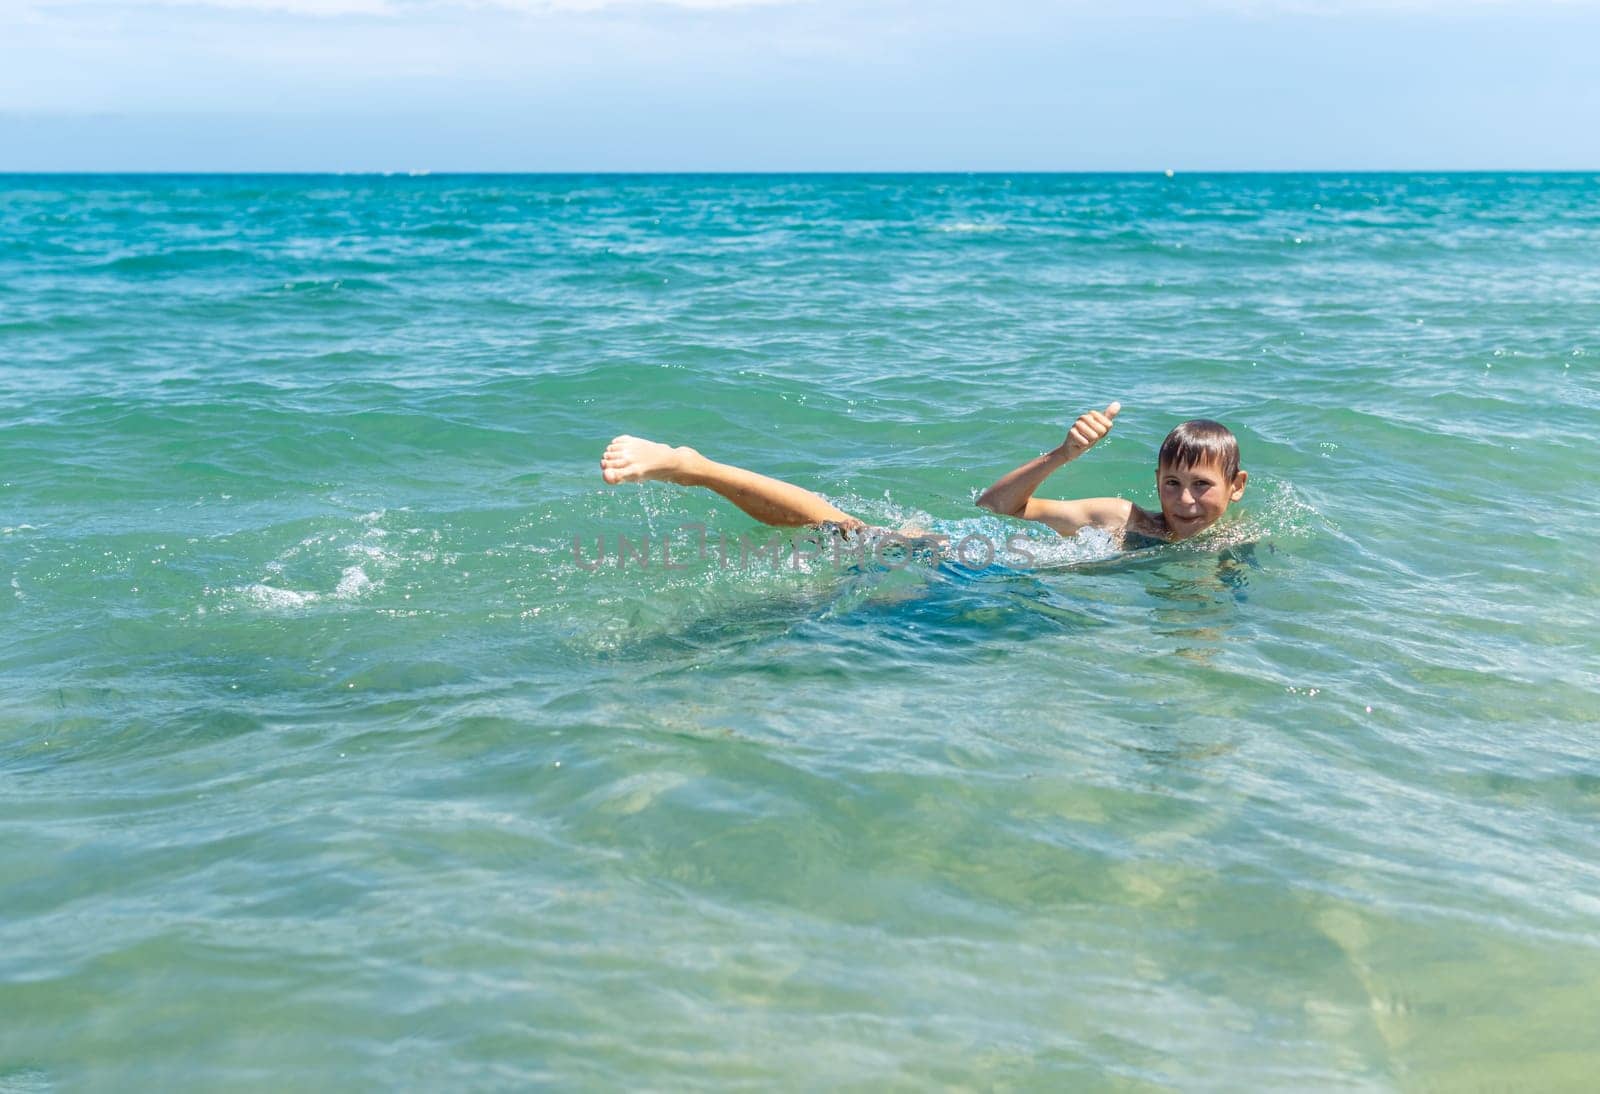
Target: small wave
<point>334,284</point>
<point>53,324</point>
<point>971,226</point>
<point>447,231</point>
<point>177,261</point>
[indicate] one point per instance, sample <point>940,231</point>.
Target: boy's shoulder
<point>1142,524</point>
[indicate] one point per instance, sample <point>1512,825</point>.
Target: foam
<point>275,599</point>
<point>365,562</point>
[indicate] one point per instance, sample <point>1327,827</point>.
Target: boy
<point>1197,474</point>
<point>1197,478</point>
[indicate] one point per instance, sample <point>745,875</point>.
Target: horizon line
<point>736,172</point>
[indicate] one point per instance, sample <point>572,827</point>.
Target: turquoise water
<point>328,762</point>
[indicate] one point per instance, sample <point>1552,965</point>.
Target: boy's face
<point>1192,498</point>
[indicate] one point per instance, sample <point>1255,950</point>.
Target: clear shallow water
<point>326,760</point>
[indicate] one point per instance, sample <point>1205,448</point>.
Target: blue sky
<point>577,85</point>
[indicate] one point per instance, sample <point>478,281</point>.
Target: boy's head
<point>1198,476</point>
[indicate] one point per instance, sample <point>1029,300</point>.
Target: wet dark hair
<point>1201,441</point>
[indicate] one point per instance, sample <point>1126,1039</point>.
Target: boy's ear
<point>1239,479</point>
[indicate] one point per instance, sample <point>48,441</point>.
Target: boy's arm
<point>1013,494</point>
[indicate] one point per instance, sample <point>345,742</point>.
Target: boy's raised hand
<point>1088,430</point>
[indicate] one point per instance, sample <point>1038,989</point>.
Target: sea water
<point>352,739</point>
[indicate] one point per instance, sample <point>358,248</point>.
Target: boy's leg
<point>633,459</point>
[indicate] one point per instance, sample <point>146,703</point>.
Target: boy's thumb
<point>1111,411</point>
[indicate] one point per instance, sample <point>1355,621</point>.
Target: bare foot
<point>634,459</point>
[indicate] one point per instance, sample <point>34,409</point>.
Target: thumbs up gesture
<point>1088,430</point>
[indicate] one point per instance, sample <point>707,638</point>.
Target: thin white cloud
<point>596,5</point>
<point>397,7</point>
<point>328,8</point>
<point>1375,7</point>
<point>291,7</point>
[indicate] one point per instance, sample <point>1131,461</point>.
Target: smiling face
<point>1193,498</point>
